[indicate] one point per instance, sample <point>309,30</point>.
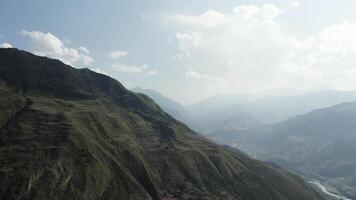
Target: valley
<point>317,141</point>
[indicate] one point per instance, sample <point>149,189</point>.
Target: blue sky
<point>192,49</point>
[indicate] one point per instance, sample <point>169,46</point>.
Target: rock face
<point>67,133</point>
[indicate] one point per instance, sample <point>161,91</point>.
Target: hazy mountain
<point>217,103</point>
<point>238,122</point>
<point>70,133</point>
<point>221,102</point>
<point>229,112</point>
<point>271,109</point>
<point>320,144</point>
<point>172,107</point>
<point>275,109</point>
<point>208,115</point>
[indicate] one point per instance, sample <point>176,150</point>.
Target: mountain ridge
<point>247,111</point>
<point>75,134</point>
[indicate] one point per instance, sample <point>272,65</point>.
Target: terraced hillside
<point>75,134</point>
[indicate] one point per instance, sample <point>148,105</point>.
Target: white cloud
<point>47,44</point>
<point>233,46</point>
<point>207,77</point>
<point>208,19</point>
<point>134,69</point>
<point>295,3</point>
<point>252,12</point>
<point>117,54</point>
<point>143,69</point>
<point>129,69</point>
<point>5,45</point>
<point>331,56</point>
<point>153,72</point>
<point>84,50</point>
<point>86,59</point>
<point>249,50</point>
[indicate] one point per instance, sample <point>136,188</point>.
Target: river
<point>325,190</point>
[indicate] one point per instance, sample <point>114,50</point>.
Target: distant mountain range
<point>168,105</point>
<point>320,144</point>
<point>70,133</point>
<point>236,112</point>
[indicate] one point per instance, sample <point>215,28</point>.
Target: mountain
<point>238,122</point>
<point>320,144</point>
<point>241,111</point>
<point>212,114</point>
<point>217,103</point>
<point>163,101</point>
<point>221,102</point>
<point>69,133</point>
<point>275,109</point>
<point>170,106</point>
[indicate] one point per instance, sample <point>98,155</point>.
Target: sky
<point>189,50</point>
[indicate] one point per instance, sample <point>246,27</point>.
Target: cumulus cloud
<point>47,44</point>
<point>330,56</point>
<point>252,12</point>
<point>134,69</point>
<point>84,50</point>
<point>295,3</point>
<point>6,45</point>
<point>131,69</point>
<point>249,50</point>
<point>117,54</point>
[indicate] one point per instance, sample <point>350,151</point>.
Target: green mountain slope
<point>170,106</point>
<point>75,134</point>
<point>319,144</point>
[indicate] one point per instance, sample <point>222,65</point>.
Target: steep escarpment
<point>75,134</point>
